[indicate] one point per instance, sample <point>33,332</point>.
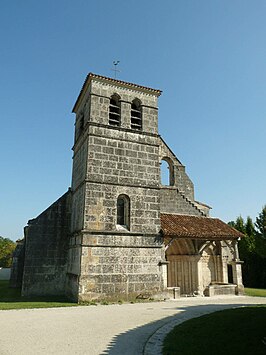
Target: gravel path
<point>127,329</point>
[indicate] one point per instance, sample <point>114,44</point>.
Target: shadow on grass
<point>144,339</point>
<point>11,298</point>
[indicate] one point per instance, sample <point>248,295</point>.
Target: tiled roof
<point>184,226</point>
<point>111,80</point>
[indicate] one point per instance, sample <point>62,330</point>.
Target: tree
<point>252,249</point>
<point>245,244</point>
<point>249,227</point>
<point>250,236</point>
<point>7,248</point>
<point>260,225</point>
<point>240,225</point>
<point>231,224</point>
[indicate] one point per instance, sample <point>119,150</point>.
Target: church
<point>120,232</point>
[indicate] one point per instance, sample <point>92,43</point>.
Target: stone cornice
<point>114,184</point>
<point>122,129</point>
<point>106,80</point>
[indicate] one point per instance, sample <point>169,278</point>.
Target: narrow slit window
<point>81,123</point>
<point>114,111</point>
<point>123,211</point>
<point>136,115</point>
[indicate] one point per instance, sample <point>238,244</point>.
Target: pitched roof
<point>115,81</point>
<point>184,226</point>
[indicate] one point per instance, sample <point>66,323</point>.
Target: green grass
<point>233,331</point>
<point>10,299</point>
<point>257,292</point>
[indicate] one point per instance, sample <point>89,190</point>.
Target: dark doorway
<point>230,273</point>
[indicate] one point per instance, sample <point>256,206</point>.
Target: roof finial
<point>115,63</point>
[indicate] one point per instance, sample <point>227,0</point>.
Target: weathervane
<point>115,63</point>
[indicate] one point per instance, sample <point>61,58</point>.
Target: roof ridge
<point>106,78</point>
<point>123,82</point>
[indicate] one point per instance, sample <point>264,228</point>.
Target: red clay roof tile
<point>185,226</point>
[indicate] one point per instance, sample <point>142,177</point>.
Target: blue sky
<point>208,57</point>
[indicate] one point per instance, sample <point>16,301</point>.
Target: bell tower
<point>116,249</point>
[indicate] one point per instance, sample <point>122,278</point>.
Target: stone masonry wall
<point>100,210</point>
<point>174,202</point>
<point>100,99</point>
<point>73,267</point>
<point>17,265</point>
<point>180,179</point>
<point>115,155</point>
<point>124,158</point>
<point>46,245</point>
<point>77,186</point>
<point>179,197</point>
<point>94,106</point>
<point>119,161</point>
<point>120,266</point>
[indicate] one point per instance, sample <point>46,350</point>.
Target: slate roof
<point>121,82</point>
<point>184,226</point>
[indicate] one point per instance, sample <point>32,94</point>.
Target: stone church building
<point>119,232</point>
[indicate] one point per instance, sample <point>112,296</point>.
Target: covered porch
<point>201,255</point>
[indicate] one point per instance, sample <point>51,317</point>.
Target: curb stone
<point>154,344</point>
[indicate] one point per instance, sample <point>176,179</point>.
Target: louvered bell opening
<point>114,113</point>
<point>136,121</point>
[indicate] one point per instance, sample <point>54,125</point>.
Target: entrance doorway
<point>230,273</point>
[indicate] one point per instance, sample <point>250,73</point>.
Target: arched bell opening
<point>167,172</point>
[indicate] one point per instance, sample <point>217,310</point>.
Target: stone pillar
<point>200,278</point>
<point>125,114</point>
<point>224,269</point>
<point>237,270</point>
<point>237,276</point>
<point>236,253</point>
<point>164,266</point>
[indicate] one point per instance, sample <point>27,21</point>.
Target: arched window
<point>136,115</point>
<point>167,174</point>
<point>123,211</point>
<point>114,110</point>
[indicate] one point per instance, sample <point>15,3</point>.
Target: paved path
<point>125,329</point>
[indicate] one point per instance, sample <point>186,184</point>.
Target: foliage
<point>260,225</point>
<point>252,249</point>
<point>240,224</point>
<point>207,334</point>
<point>7,248</point>
<point>247,245</point>
<point>249,227</point>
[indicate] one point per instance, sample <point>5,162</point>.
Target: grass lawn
<point>233,331</point>
<point>10,299</point>
<point>255,292</point>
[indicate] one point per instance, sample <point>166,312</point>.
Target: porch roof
<point>184,226</point>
